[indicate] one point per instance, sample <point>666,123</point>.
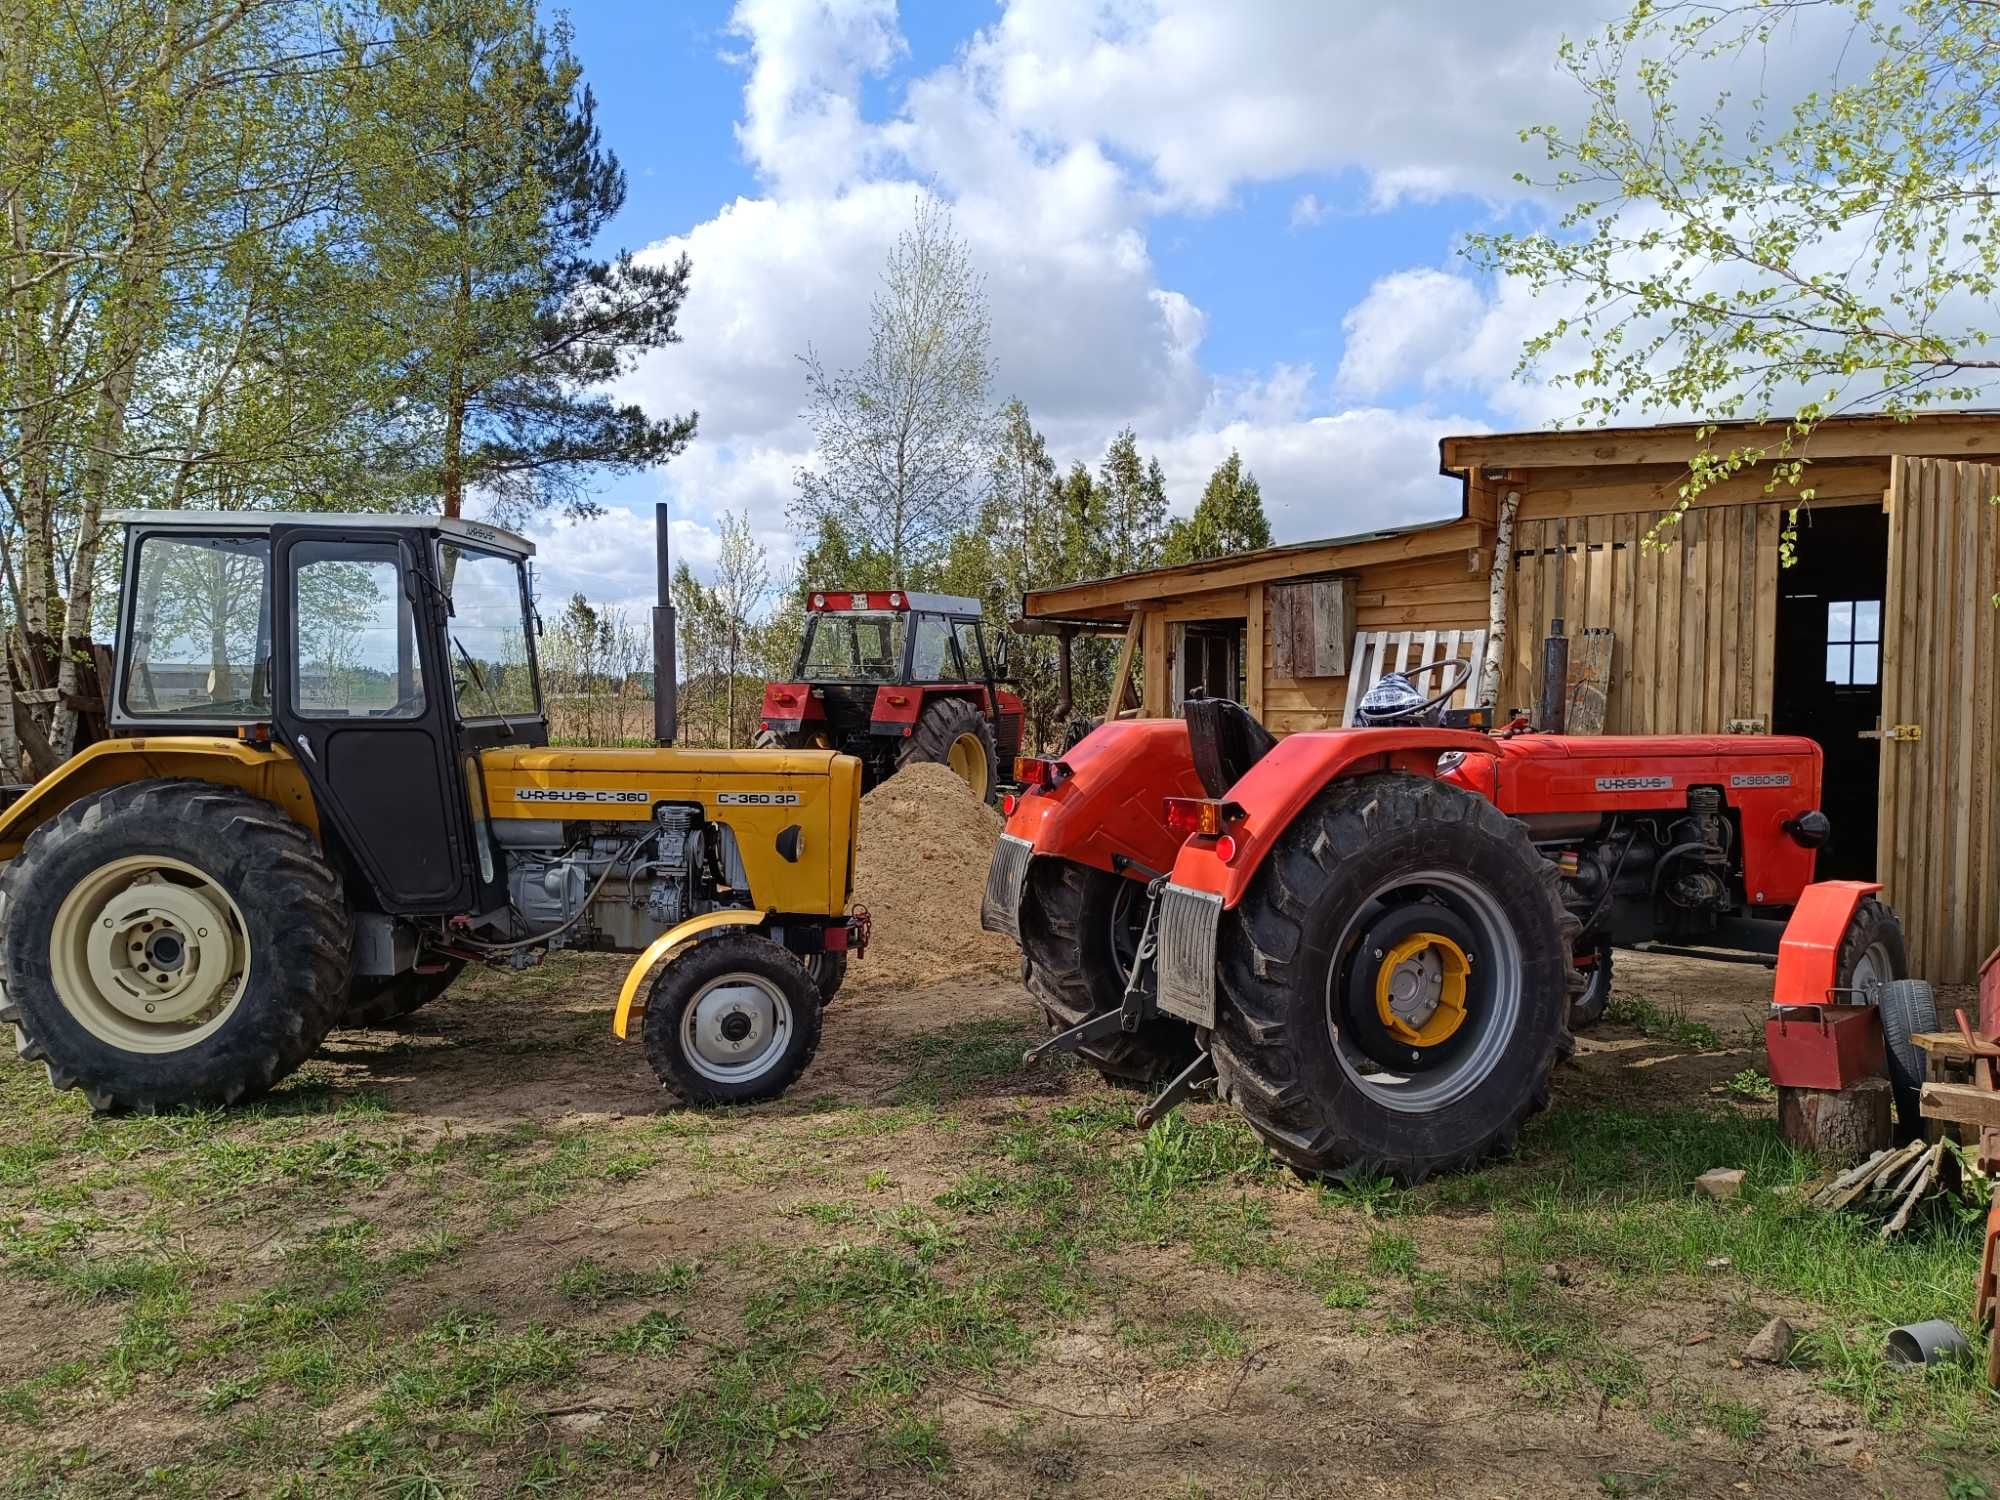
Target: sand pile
<point>925,844</point>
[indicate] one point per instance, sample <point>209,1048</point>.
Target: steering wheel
<point>1464,675</point>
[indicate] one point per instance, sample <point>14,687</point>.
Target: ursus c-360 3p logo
<point>572,794</point>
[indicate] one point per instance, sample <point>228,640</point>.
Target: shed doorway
<point>1828,683</point>
<point>1209,657</point>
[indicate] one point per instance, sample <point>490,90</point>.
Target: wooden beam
<point>1850,485</point>
<point>1253,654</point>
<point>1083,599</point>
<point>1960,1103</point>
<point>1121,675</point>
<point>1939,434</point>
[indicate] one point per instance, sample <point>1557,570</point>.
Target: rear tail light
<point>1202,816</point>
<point>1007,805</point>
<point>1033,772</point>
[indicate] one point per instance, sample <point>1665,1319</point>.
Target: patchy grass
<point>919,1289</point>
<point>1661,1024</point>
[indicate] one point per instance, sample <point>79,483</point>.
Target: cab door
<point>364,701</point>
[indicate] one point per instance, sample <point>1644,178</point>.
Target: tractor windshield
<point>493,668</point>
<point>859,647</point>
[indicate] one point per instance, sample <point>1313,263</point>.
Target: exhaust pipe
<point>666,682</point>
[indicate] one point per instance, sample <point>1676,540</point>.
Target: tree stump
<point>1843,1125</point>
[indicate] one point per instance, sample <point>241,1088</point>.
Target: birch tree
<point>1739,257</point>
<point>904,440</point>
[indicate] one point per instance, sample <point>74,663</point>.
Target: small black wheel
<point>1587,1009</point>
<point>1079,934</point>
<point>1872,951</point>
<point>1395,982</point>
<point>732,1020</point>
<point>1907,1006</point>
<point>953,732</point>
<point>829,973</point>
<point>384,999</point>
<point>172,943</point>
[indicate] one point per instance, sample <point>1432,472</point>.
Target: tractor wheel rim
<point>1873,967</point>
<point>967,759</point>
<point>149,954</point>
<point>1489,1003</point>
<point>736,1027</point>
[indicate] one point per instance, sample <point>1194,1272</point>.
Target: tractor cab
<point>385,652</point>
<point>892,676</point>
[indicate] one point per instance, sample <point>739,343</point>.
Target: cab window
<point>201,629</point>
<point>853,648</point>
<point>354,637</point>
<point>931,657</point>
<point>492,667</point>
<point>969,650</point>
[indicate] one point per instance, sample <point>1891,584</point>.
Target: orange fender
<point>1279,786</point>
<point>1809,952</point>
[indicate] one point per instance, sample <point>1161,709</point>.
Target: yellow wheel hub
<point>149,954</point>
<point>1420,989</point>
<point>967,759</point>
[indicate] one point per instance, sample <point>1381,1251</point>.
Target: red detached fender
<point>1111,801</point>
<point>1809,952</point>
<point>1283,782</point>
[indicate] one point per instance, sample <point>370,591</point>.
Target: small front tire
<point>829,973</point>
<point>384,999</point>
<point>733,1020</point>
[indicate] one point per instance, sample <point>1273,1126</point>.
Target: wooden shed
<point>1878,640</point>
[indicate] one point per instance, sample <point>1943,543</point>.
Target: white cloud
<point>1307,211</point>
<point>1411,326</point>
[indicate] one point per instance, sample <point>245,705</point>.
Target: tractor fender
<point>664,944</point>
<point>1809,951</point>
<point>265,771</point>
<point>1274,791</point>
<point>1109,798</point>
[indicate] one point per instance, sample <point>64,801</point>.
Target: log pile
<point>30,746</point>
<point>1897,1180</point>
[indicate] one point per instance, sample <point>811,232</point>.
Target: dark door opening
<point>1211,660</point>
<point>1829,670</point>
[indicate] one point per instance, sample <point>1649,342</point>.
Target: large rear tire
<point>384,999</point>
<point>1079,933</point>
<point>953,732</point>
<point>172,943</point>
<point>1395,983</point>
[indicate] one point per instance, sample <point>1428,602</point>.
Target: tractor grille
<point>1188,922</point>
<point>1001,910</point>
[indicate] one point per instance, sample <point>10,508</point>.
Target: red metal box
<point>1824,1046</point>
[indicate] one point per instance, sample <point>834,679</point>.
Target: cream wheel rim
<point>967,758</point>
<point>149,954</point>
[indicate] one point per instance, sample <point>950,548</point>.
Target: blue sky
<point>1228,227</point>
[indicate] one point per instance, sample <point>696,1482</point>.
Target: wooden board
<point>1938,827</point>
<point>1589,681</point>
<point>1311,625</point>
<point>1379,651</point>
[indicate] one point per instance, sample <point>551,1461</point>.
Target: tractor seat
<point>1225,741</point>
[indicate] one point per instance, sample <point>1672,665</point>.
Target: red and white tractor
<point>1376,940</point>
<point>893,677</point>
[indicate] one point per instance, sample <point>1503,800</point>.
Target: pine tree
<point>1132,496</point>
<point>483,187</point>
<point>1228,518</point>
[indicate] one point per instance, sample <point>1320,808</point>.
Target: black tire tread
<point>307,958</point>
<point>943,721</point>
<point>1071,988</point>
<point>1258,1068</point>
<point>692,966</point>
<point>375,1000</point>
<point>1907,1006</point>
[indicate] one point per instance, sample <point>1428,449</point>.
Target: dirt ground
<point>485,1255</point>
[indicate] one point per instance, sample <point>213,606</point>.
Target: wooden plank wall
<point>1695,623</point>
<point>1939,824</point>
<point>1431,593</point>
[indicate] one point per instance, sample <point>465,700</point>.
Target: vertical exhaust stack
<point>666,680</point>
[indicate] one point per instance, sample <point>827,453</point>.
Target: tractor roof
<point>836,600</point>
<point>258,521</point>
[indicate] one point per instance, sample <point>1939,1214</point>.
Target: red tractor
<point>1376,940</point>
<point>893,677</point>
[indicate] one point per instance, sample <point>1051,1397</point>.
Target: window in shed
<point>1853,642</point>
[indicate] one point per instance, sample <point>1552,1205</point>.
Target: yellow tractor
<point>330,788</point>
